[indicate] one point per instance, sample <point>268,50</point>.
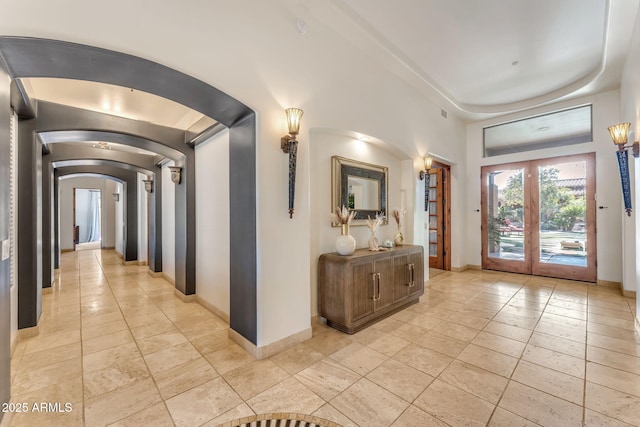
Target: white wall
<point>212,222</point>
<point>107,188</point>
<point>630,111</point>
<point>323,145</point>
<point>332,77</point>
<point>605,113</point>
<point>168,223</point>
<point>143,231</point>
<point>119,218</point>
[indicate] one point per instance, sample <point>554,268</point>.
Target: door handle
<point>413,278</point>
<point>378,275</point>
<point>373,278</point>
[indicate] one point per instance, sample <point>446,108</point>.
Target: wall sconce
<point>116,197</point>
<point>289,145</point>
<point>148,185</point>
<point>176,174</point>
<point>425,173</point>
<point>619,134</point>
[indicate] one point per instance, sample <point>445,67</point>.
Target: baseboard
<point>108,248</point>
<point>183,297</point>
<point>628,294</point>
<point>15,339</point>
<point>28,332</point>
<point>48,290</point>
<point>63,251</point>
<point>168,279</point>
<point>119,255</point>
<point>269,350</point>
<point>466,267</point>
<point>609,284</point>
<point>215,310</point>
<point>155,274</point>
<point>318,320</point>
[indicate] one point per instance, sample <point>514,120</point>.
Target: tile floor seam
<point>455,300</point>
<point>98,259</point>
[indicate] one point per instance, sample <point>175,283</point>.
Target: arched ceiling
<point>495,56</point>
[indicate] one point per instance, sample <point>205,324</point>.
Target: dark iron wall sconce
<point>425,174</point>
<point>176,174</point>
<point>289,145</point>
<point>148,185</point>
<point>619,133</point>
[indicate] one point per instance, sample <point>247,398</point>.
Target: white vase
<point>345,243</point>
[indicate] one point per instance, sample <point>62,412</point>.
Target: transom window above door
<point>565,127</point>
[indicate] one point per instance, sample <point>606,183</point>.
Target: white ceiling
<point>498,56</point>
<point>114,100</point>
<point>117,101</point>
<point>479,58</point>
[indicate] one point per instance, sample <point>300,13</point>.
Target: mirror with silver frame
<point>359,186</point>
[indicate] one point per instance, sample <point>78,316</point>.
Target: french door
<point>439,217</point>
<point>538,217</point>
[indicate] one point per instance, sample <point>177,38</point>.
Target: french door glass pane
<point>563,237</point>
<point>433,249</point>
<point>506,214</point>
<point>433,222</point>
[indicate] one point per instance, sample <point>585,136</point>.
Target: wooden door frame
<point>531,221</point>
<point>589,273</point>
<point>500,264</point>
<point>446,215</point>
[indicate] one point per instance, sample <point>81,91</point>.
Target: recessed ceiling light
<point>543,129</point>
<point>514,63</point>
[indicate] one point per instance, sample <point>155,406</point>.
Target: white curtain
<point>88,214</point>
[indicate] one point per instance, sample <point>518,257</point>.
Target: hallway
<point>480,348</point>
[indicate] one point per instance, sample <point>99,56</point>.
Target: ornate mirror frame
<point>341,169</point>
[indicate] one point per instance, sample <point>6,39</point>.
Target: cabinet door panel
<point>402,276</point>
<point>417,260</point>
<point>384,268</point>
<point>364,289</point>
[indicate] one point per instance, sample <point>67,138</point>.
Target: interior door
<point>538,217</point>
<point>439,218</point>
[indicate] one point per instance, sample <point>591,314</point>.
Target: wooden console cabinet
<point>358,290</point>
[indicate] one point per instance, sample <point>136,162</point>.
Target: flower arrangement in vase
<point>398,239</point>
<point>345,243</point>
<point>373,225</point>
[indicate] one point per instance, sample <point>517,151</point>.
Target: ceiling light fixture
<point>619,134</point>
<point>102,145</point>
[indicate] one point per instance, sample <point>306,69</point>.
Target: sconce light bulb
<point>293,120</point>
<point>428,161</point>
<point>619,133</point>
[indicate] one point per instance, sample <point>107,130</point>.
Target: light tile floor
<point>481,348</point>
